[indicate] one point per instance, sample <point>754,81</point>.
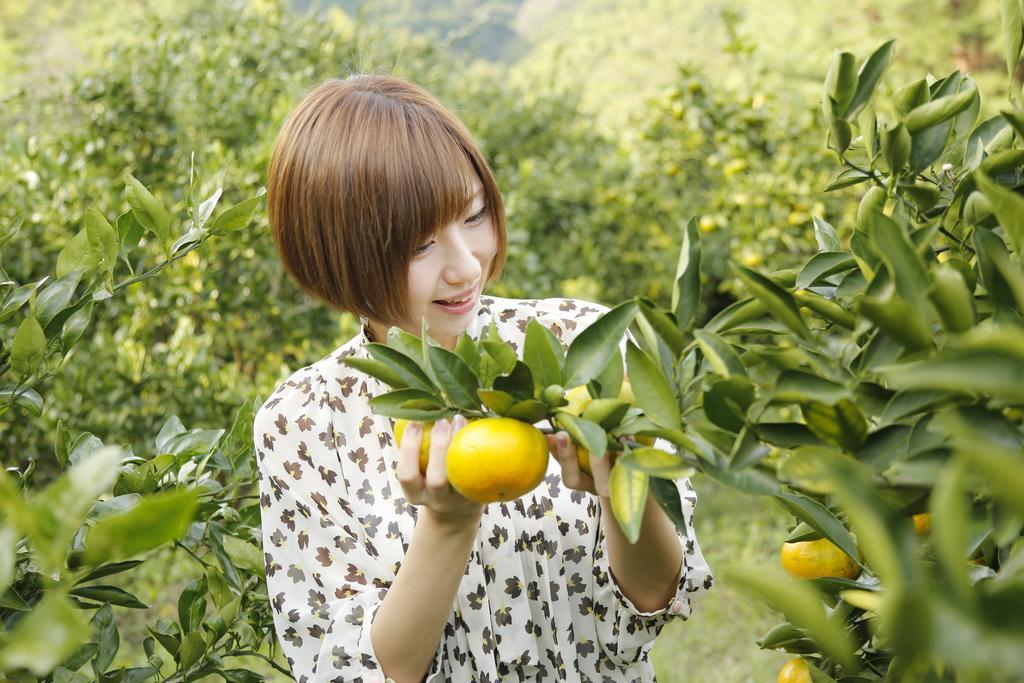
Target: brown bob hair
<point>365,170</point>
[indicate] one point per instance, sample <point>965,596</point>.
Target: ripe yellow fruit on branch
<point>922,523</point>
<point>497,459</point>
<point>795,671</point>
<point>579,398</point>
<point>815,559</point>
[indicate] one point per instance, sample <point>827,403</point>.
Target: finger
<point>568,460</point>
<point>407,469</point>
<point>437,474</point>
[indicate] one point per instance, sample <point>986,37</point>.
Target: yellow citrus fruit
<point>579,398</point>
<point>795,671</point>
<point>922,523</point>
<point>497,459</point>
<point>814,559</point>
<point>400,426</point>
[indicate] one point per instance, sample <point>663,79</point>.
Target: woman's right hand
<point>433,491</point>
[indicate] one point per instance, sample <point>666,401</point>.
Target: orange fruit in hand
<point>815,559</point>
<point>400,426</point>
<point>795,671</point>
<point>497,459</point>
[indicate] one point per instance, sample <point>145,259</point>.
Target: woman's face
<point>452,265</point>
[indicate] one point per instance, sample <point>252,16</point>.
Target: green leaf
<point>45,637</point>
<point>896,146</point>
<point>867,78</point>
<point>102,239</point>
<point>76,325</point>
<point>108,569</point>
<point>543,354</point>
<point>825,308</point>
<point>794,386</point>
<point>502,354</point>
<point>938,110</point>
<point>497,401</point>
<point>28,348</point>
<point>841,424</point>
<point>607,412</point>
<point>847,178</point>
<point>377,369</point>
<point>841,81</point>
<point>409,404</point>
<point>588,434</point>
<point>990,250</point>
<point>610,379</point>
<point>823,264</point>
<point>58,511</point>
<point>244,554</point>
<point>402,365</point>
<point>726,402</point>
<point>826,236</point>
<point>686,286</point>
<point>904,264</point>
<point>667,495</point>
<point>628,489</point>
<point>191,649</point>
<point>719,354</point>
<point>821,519</point>
<point>950,517</point>
<point>801,604</point>
<point>652,391</point>
<point>467,350</point>
<point>77,254</point>
<point>665,327</point>
<point>158,519</point>
<point>8,547</point>
<point>25,398</point>
<point>910,97</point>
<point>988,361</point>
<point>238,216</point>
<point>590,350</point>
<point>776,300</point>
<point>518,383</point>
<point>1008,207</point>
<point>528,411</point>
<point>192,604</point>
<point>898,319</point>
<point>997,460</point>
<point>655,463</point>
<point>56,296</point>
<point>951,298</point>
<point>455,377</point>
<point>1013,34</point>
<point>147,210</point>
<point>108,594</point>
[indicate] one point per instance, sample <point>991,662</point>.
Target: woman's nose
<point>463,267</point>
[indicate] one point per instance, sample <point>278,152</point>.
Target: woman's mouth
<point>456,306</point>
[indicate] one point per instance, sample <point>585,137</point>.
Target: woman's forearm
<point>646,572</point>
<point>411,619</point>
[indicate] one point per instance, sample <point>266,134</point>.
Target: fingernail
<point>413,428</point>
<point>441,425</point>
<point>459,422</point>
<point>563,439</point>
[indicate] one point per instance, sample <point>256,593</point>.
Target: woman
<point>382,205</point>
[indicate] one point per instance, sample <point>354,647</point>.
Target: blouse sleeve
<point>324,582</point>
<point>625,632</point>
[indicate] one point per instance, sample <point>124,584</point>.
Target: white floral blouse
<point>537,602</point>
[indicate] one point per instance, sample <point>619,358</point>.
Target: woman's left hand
<point>573,476</point>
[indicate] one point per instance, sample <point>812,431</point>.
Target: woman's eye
<point>424,248</point>
<point>476,218</point>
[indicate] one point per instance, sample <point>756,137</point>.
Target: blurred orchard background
<point>608,125</point>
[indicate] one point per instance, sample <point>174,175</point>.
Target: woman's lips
<point>459,309</point>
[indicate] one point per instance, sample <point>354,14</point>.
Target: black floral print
<point>537,601</point>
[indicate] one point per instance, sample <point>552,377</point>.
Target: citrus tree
<point>876,392</point>
<point>67,540</point>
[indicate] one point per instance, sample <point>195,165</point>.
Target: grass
<point>717,642</point>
